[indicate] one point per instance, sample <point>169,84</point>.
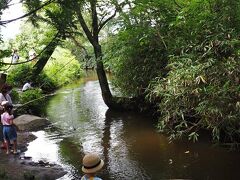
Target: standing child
<point>4,96</point>
<point>91,165</point>
<point>9,131</point>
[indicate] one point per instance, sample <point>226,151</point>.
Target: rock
<point>28,122</point>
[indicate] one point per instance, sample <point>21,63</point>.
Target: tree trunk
<point>117,103</point>
<point>38,67</point>
<point>2,79</point>
<point>106,93</point>
<point>113,102</point>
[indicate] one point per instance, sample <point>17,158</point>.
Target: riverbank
<point>20,167</point>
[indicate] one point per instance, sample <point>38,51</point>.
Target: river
<point>127,141</point>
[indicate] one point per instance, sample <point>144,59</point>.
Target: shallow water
<point>128,142</point>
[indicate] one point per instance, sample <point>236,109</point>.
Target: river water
<point>128,142</point>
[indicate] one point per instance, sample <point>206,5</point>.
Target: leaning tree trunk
<point>106,93</point>
<point>113,102</point>
<point>38,67</point>
<point>118,103</point>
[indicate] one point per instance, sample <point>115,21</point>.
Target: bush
<point>18,74</point>
<point>135,60</point>
<point>45,82</point>
<point>32,101</point>
<point>63,67</point>
<point>202,87</point>
<point>204,95</point>
<point>14,96</point>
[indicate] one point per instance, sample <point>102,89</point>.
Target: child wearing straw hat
<point>91,165</point>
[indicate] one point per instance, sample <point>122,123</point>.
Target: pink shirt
<point>6,118</point>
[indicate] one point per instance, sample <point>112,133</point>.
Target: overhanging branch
<point>27,14</point>
<point>106,21</point>
<point>84,26</point>
<point>29,60</point>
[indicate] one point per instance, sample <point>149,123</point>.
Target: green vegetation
<point>57,73</point>
<point>180,57</point>
<point>63,67</point>
<point>31,99</point>
<point>202,86</point>
<point>199,43</point>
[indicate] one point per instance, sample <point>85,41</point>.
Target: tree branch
<point>94,19</point>
<point>106,21</point>
<point>27,14</point>
<point>29,60</point>
<point>102,15</point>
<point>84,26</point>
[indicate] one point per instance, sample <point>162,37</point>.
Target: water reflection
<point>126,141</point>
<point>49,154</point>
<point>121,164</point>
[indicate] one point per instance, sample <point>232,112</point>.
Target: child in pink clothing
<point>9,131</point>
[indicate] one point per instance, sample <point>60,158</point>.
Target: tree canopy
<point>177,58</point>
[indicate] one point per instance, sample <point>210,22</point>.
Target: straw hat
<point>92,163</point>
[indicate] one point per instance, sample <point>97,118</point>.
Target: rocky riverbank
<point>20,167</point>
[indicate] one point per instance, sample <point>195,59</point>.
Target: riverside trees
<point>67,17</point>
<point>180,56</point>
<point>199,87</point>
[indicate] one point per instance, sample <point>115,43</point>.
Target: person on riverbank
<point>32,55</point>
<point>91,165</point>
<point>9,130</point>
<point>26,86</point>
<point>15,56</point>
<point>4,96</point>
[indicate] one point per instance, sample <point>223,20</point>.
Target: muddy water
<point>128,142</point>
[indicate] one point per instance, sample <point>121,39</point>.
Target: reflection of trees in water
<point>120,164</point>
<point>71,155</point>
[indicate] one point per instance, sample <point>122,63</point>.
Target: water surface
<point>127,141</point>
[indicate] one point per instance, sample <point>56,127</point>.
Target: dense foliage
<point>182,56</point>
<point>202,87</point>
<point>63,68</point>
<point>30,100</point>
<point>135,61</point>
<point>138,53</point>
<point>19,75</point>
<point>201,40</point>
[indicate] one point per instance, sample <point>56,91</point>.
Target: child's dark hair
<point>8,108</point>
<point>5,88</point>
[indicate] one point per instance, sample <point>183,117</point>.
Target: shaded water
<point>128,142</point>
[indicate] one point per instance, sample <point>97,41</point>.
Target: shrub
<point>32,101</point>
<point>135,60</point>
<point>19,74</point>
<point>14,96</point>
<point>45,82</point>
<point>202,87</point>
<point>63,67</point>
<point>195,96</point>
